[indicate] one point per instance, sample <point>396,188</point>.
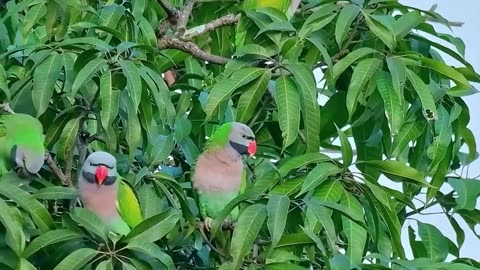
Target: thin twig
<point>183,17</point>
<point>192,48</point>
<point>56,170</point>
<point>171,11</point>
<point>229,19</point>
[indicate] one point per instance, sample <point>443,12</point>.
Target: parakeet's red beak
<point>101,174</point>
<point>252,148</point>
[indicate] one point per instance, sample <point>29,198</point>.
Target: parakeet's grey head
<point>242,139</point>
<point>100,168</point>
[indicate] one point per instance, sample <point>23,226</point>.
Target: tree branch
<point>171,11</point>
<point>56,170</point>
<point>192,48</point>
<point>183,17</point>
<point>229,19</point>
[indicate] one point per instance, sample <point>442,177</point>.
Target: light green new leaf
<point>436,245</point>
<point>246,230</point>
<point>467,190</point>
<point>397,168</point>
<point>356,234</point>
<point>348,60</point>
<point>44,78</point>
<point>361,75</point>
<point>50,238</point>
<point>345,19</point>
<point>288,104</point>
<point>14,235</point>
<point>277,209</point>
<point>251,97</point>
<point>77,259</point>
<point>316,176</point>
<point>66,143</point>
<point>134,81</point>
<point>347,152</point>
<point>86,73</point>
<point>152,250</point>
<point>110,100</point>
<point>392,101</point>
<point>223,89</point>
<point>425,94</point>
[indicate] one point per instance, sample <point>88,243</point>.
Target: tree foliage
<point>91,72</point>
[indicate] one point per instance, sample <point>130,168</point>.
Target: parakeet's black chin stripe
<point>241,149</point>
<point>90,177</point>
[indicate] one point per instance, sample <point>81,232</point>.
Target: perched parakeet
<point>21,143</point>
<point>104,192</point>
<point>219,175</point>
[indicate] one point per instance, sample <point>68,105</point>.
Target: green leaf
<point>152,250</point>
<point>397,168</point>
<point>467,190</point>
<point>443,136</point>
<point>408,132</point>
<point>160,150</point>
<point>4,83</point>
<point>425,94</point>
<point>277,26</point>
<point>134,130</point>
<point>155,227</point>
<point>44,78</point>
<point>347,152</point>
<point>277,209</point>
<point>14,236</point>
<point>323,215</point>
<point>392,101</point>
<point>25,200</point>
<point>309,104</point>
<point>398,71</point>
<point>110,100</point>
<point>66,143</point>
<point>252,96</point>
<point>344,21</point>
<point>56,193</point>
<point>24,264</point>
<point>435,243</point>
<point>50,238</point>
<point>348,60</point>
<point>86,73</point>
<point>361,75</point>
<point>406,23</point>
<point>253,49</point>
<point>288,103</point>
<point>91,222</point>
<point>246,230</point>
<point>356,234</point>
<point>105,265</point>
<point>111,15</point>
<point>134,82</point>
<point>316,176</point>
<point>298,162</point>
<point>223,89</point>
<point>379,30</point>
<point>77,259</point>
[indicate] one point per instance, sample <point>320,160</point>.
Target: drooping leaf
<point>110,99</point>
<point>319,174</point>
<point>344,21</point>
<point>347,152</point>
<point>44,78</point>
<point>251,97</point>
<point>392,101</point>
<point>277,209</point>
<point>50,238</point>
<point>288,103</point>
<point>436,245</point>
<point>86,73</point>
<point>398,168</point>
<point>77,259</point>
<point>467,190</point>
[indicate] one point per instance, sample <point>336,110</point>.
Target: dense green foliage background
<point>91,71</point>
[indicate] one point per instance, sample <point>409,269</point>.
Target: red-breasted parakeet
<point>219,174</point>
<point>21,143</point>
<point>106,194</point>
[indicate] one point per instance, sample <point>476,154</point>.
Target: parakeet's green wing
<point>127,204</point>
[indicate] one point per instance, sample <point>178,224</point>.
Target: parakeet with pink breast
<point>107,195</point>
<point>219,174</point>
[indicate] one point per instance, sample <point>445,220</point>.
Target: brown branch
<point>192,48</point>
<point>183,17</point>
<point>229,19</point>
<point>56,170</point>
<point>171,11</point>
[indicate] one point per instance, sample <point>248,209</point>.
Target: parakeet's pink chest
<point>101,201</point>
<point>218,171</point>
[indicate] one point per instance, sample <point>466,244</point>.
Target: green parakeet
<point>106,194</point>
<point>21,143</point>
<point>219,175</point>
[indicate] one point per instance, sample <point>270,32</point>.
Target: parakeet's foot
<point>6,107</point>
<point>208,223</point>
